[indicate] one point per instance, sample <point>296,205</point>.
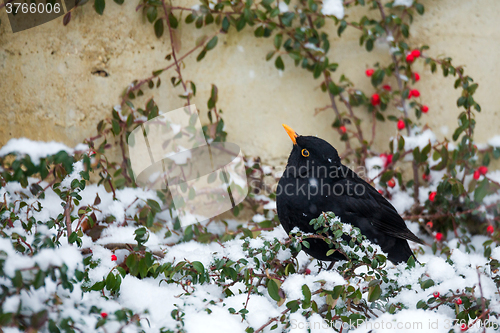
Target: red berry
<point>113,257</point>
<point>426,177</point>
<point>436,294</point>
<point>458,301</point>
<point>464,327</point>
<point>430,224</point>
<point>308,271</point>
<point>410,93</point>
<point>477,175</point>
<point>432,196</point>
<point>483,170</point>
<point>424,108</point>
<point>410,58</point>
<point>375,100</point>
<point>490,229</point>
<point>381,192</point>
<point>343,129</point>
<point>401,124</point>
<point>388,159</point>
<point>439,237</point>
<point>386,87</point>
<point>104,315</point>
<point>369,72</point>
<point>391,183</point>
<point>416,76</point>
<point>415,53</point>
<point>414,93</point>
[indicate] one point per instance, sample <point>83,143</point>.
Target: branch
<point>176,62</point>
<point>67,209</point>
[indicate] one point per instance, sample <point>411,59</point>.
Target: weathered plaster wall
<point>48,91</point>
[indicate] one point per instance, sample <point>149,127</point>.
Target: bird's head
<point>310,152</point>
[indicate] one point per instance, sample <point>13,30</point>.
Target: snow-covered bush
<point>82,248</point>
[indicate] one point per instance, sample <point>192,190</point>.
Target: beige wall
<point>49,93</point>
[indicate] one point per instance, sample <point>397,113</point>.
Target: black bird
<point>316,181</point>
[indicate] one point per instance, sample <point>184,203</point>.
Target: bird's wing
<point>374,207</point>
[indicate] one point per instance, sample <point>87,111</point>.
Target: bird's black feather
<point>319,182</point>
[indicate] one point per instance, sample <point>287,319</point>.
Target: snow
<point>313,47</point>
<point>283,7</point>
<point>407,3</point>
<point>418,139</point>
<point>494,141</point>
<point>333,7</point>
<point>374,165</point>
<point>34,149</point>
<point>67,255</point>
<point>258,218</point>
<point>401,200</point>
<point>208,306</point>
<point>407,321</point>
<point>293,284</point>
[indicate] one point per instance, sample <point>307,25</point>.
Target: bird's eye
<point>305,152</point>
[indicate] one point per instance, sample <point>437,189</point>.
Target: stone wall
<point>49,91</point>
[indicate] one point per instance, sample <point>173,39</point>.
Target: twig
<point>67,209</point>
<point>174,55</point>
<point>270,321</point>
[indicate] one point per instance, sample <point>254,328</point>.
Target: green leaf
<point>190,18</point>
<point>154,205</point>
<point>411,262</point>
<point>405,30</point>
<point>131,261</point>
<point>269,55</point>
<point>374,293</point>
<point>143,268</point>
<point>279,63</point>
<point>72,238</point>
<point>212,43</point>
<point>444,160</point>
<point>173,21</point>
<point>198,266</point>
<point>98,286</point>
<point>307,296</point>
<point>377,77</point>
<point>273,290</point>
<point>116,127</point>
<point>151,14</point>
<point>159,28</point>
<point>278,39</point>
<point>369,45</point>
<point>481,190</point>
<point>330,252</point>
<point>427,284</point>
<point>39,279</point>
<point>110,281</point>
<point>201,55</point>
<point>293,306</point>
<point>334,89</point>
<point>99,6</point>
<point>420,8</point>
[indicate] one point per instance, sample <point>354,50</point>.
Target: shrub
<point>78,255</point>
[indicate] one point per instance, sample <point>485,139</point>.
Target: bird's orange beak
<point>291,133</point>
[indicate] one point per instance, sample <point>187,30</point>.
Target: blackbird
<point>316,181</point>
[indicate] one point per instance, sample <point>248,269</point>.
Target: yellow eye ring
<point>305,152</point>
